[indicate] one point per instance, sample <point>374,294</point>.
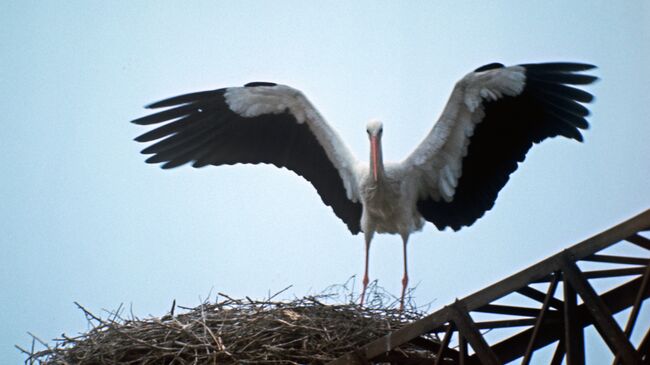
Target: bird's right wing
<point>493,117</point>
<point>258,123</point>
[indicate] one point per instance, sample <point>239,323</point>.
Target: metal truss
<point>544,309</point>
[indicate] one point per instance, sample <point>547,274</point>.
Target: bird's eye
<point>368,131</point>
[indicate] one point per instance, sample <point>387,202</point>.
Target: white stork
<point>493,117</point>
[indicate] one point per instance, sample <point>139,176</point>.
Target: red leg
<point>405,278</point>
<point>366,280</point>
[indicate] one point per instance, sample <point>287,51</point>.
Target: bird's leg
<point>405,278</point>
<point>366,280</point>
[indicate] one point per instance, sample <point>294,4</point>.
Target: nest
<point>233,331</point>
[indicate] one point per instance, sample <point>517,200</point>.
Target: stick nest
<point>233,331</point>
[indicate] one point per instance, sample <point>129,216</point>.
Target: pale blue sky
<point>84,219</point>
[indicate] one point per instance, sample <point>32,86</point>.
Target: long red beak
<point>373,152</point>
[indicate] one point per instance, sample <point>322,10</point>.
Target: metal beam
<point>537,295</point>
<point>603,319</point>
<point>639,241</point>
<point>462,348</point>
<point>444,345</point>
<point>540,319</point>
<point>574,337</point>
<point>558,355</point>
<point>627,260</point>
<point>467,329</point>
<point>628,271</point>
<point>637,303</point>
<point>506,323</point>
<point>631,321</point>
<point>644,347</point>
<point>508,309</point>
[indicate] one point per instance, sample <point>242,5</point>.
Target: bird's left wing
<point>493,117</point>
<point>257,123</point>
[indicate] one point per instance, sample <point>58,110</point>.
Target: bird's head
<point>375,129</point>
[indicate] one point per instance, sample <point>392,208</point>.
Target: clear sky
<point>83,218</point>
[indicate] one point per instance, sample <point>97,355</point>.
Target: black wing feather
<point>546,108</point>
<point>183,99</point>
<point>201,129</point>
<point>560,90</point>
<point>558,66</point>
<point>560,77</point>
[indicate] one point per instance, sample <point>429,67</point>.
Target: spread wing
<point>493,117</point>
<point>258,123</point>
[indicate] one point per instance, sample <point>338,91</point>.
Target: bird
<point>492,118</point>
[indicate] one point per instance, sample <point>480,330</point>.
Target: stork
<point>493,116</point>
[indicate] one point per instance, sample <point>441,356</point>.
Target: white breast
<point>389,206</point>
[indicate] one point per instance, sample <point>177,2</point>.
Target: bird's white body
<point>493,116</point>
<point>380,213</point>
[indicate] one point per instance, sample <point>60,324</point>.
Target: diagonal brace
<point>603,318</point>
<point>467,329</point>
